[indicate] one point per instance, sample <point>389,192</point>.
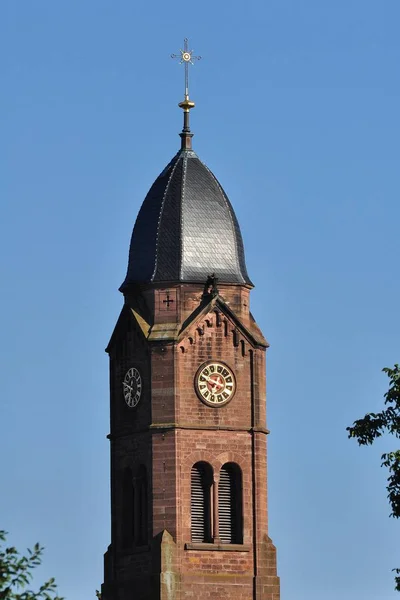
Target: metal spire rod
<point>186,57</point>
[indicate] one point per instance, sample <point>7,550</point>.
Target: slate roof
<point>186,229</point>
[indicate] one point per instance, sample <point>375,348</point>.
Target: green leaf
<point>386,422</point>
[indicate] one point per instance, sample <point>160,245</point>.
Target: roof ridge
<point>184,167</point>
<point>161,212</point>
<point>230,209</point>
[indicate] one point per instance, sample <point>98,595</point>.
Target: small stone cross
<point>168,301</point>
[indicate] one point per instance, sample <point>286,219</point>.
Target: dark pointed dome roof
<point>186,229</point>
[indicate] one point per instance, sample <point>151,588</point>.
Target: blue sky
<point>297,114</point>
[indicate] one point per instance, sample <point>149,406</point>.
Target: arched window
<point>134,511</point>
<point>201,481</point>
<point>230,510</point>
<point>140,513</point>
<point>128,503</point>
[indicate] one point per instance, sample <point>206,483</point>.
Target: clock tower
<point>188,434</point>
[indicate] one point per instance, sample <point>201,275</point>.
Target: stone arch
<point>230,457</point>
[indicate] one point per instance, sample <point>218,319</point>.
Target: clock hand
<point>128,386</point>
<point>213,381</point>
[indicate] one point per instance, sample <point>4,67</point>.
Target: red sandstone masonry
<point>172,429</point>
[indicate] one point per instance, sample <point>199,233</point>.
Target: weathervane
<point>186,57</point>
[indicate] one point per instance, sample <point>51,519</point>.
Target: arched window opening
<point>140,526</point>
<point>128,509</point>
<point>134,510</point>
<point>230,510</point>
<point>201,481</point>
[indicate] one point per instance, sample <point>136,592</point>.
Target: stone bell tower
<point>188,430</point>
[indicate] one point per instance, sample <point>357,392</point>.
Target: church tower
<point>188,430</point>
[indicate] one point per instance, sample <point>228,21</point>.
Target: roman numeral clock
<point>132,387</point>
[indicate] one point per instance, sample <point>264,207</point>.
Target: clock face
<point>132,387</point>
<point>215,383</point>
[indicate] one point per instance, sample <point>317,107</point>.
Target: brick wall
<point>170,430</point>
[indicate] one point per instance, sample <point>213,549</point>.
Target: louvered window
<point>201,478</point>
<point>230,505</point>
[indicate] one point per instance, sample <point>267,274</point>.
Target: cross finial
<point>186,57</point>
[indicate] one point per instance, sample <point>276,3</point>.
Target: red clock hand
<point>217,382</point>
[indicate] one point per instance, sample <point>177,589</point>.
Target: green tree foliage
<point>16,574</point>
<point>374,425</point>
